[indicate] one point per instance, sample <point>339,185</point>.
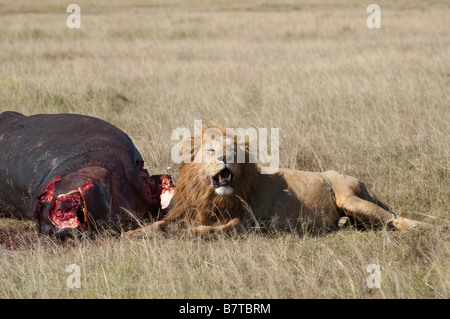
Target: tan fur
<point>288,199</point>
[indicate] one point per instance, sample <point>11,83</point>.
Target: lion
<point>219,194</point>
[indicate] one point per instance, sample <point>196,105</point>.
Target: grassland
<point>372,103</point>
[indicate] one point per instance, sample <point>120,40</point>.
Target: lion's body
<point>313,200</point>
<point>219,194</point>
<point>296,199</point>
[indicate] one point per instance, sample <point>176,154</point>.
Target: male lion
<point>220,194</point>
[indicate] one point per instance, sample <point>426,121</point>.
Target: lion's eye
<point>210,150</point>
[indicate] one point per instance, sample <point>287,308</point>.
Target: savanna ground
<point>372,103</point>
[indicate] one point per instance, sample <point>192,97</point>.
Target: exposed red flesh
<point>63,213</point>
<point>45,197</point>
<point>69,210</point>
<point>159,188</point>
<point>65,207</point>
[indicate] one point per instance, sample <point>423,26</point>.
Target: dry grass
<point>369,103</point>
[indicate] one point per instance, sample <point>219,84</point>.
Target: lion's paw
<point>154,228</point>
<point>405,224</point>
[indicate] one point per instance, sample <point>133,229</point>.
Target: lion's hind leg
<point>355,200</point>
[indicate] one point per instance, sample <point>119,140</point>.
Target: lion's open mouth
<point>223,178</point>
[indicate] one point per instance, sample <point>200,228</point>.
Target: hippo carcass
<point>71,171</point>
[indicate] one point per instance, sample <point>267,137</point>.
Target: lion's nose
<point>222,159</point>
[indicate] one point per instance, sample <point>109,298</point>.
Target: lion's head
<point>216,180</point>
